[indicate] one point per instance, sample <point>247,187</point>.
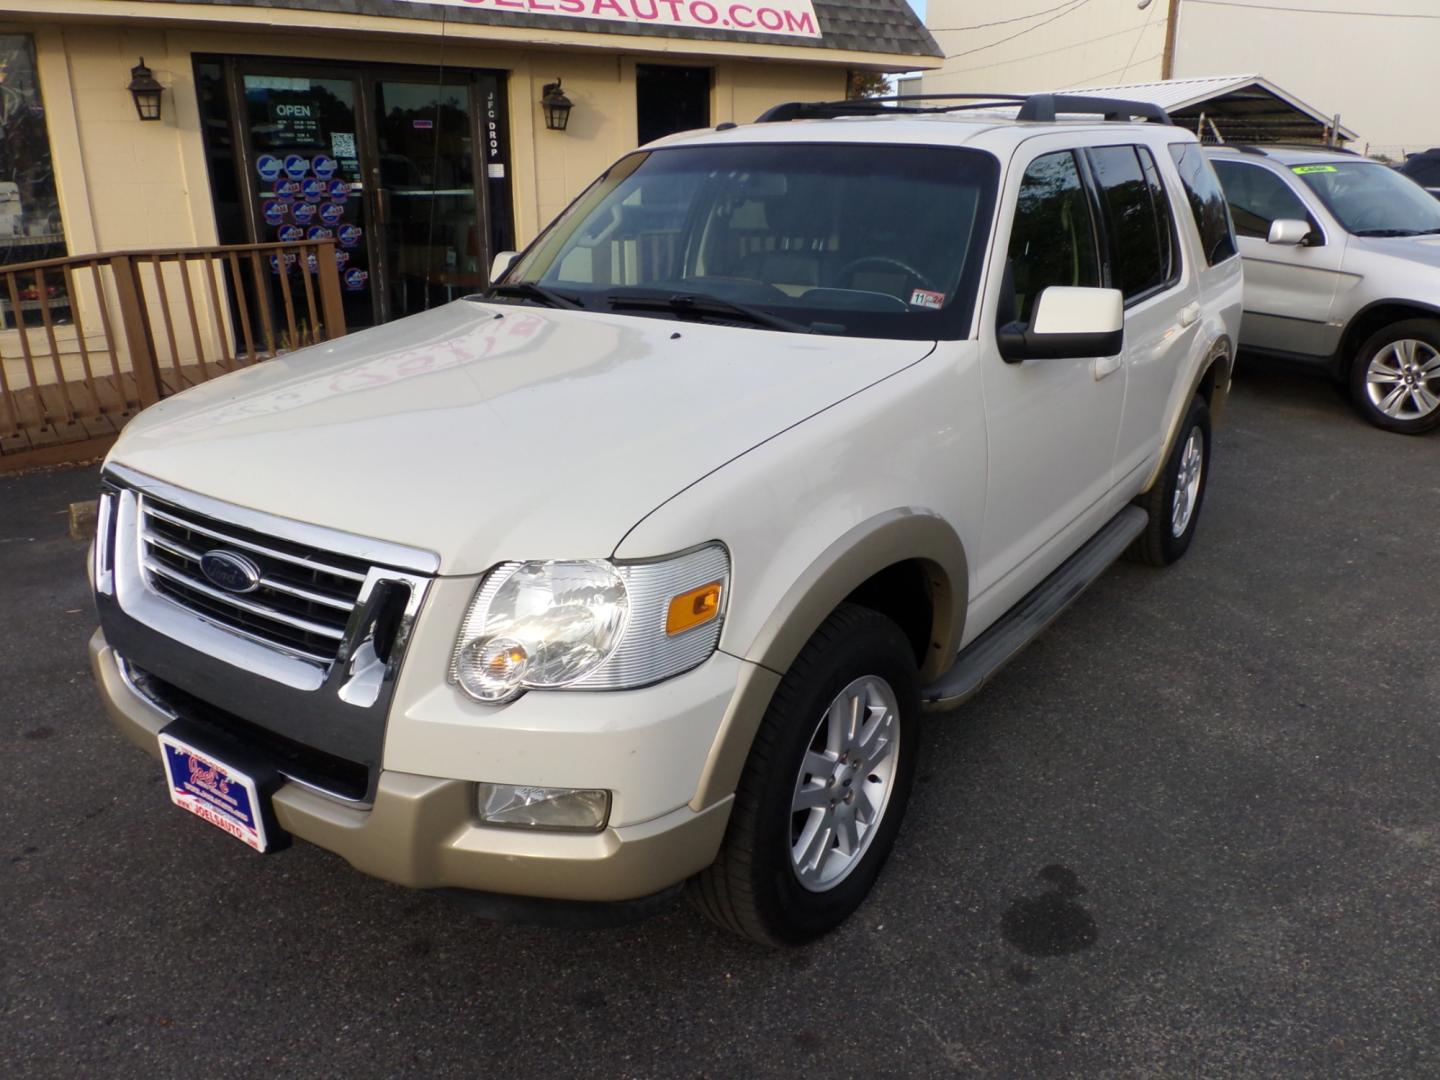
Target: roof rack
<point>1043,108</point>
<point>1264,151</point>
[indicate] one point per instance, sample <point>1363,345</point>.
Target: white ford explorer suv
<point>641,568</point>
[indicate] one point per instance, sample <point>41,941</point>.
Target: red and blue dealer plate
<point>214,791</point>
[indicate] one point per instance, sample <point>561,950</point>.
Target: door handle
<point>1189,313</point>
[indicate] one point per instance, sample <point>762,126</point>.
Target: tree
<point>863,84</point>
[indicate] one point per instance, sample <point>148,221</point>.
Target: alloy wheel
<point>1403,379</point>
<point>1187,482</point>
<point>844,784</point>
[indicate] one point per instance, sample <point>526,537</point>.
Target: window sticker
<point>288,234</point>
<point>274,211</point>
<point>319,232</point>
<point>339,190</point>
<point>296,166</point>
<point>312,189</point>
<point>342,144</point>
<point>927,299</point>
<point>349,235</point>
<point>304,213</point>
<point>355,279</point>
<point>1301,170</point>
<point>287,189</point>
<point>268,166</point>
<point>332,213</point>
<point>323,166</point>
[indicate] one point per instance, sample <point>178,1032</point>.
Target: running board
<point>997,646</point>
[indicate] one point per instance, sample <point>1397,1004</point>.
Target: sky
<point>919,6</point>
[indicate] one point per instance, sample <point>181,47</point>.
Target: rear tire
<point>1173,503</point>
<point>1395,377</point>
<point>837,745</point>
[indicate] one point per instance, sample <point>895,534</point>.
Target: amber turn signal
<point>693,608</point>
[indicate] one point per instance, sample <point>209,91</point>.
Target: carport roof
<point>1243,108</point>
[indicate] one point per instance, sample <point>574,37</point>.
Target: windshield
<point>1372,200</point>
<point>862,240</point>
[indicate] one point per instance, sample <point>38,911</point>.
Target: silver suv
<point>1342,272</point>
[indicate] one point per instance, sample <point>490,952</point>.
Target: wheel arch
<point>883,563</point>
<point>1370,320</point>
<point>1211,382</point>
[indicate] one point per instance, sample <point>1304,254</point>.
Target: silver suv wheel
<point>1187,482</point>
<point>844,784</point>
<point>1403,380</point>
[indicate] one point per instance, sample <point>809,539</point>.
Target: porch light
<point>145,89</point>
<point>556,105</point>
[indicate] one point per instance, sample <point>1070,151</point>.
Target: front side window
<point>30,226</point>
<point>867,241</point>
<point>1207,202</point>
<point>1052,240</point>
<point>1369,199</point>
<point>1141,233</point>
<point>1258,198</point>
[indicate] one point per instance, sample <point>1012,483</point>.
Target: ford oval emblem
<point>232,572</point>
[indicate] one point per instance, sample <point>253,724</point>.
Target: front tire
<point>825,787</point>
<point>1173,503</point>
<point>1395,378</point>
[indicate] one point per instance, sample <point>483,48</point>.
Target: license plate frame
<point>216,791</point>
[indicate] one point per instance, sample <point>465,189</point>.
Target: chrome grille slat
<point>264,612</point>
<point>310,564</point>
<point>269,582</point>
<point>302,603</point>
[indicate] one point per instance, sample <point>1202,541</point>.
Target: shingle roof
<point>873,26</point>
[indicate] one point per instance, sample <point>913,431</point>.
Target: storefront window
<point>29,211</point>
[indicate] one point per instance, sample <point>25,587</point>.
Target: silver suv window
<point>1142,230</point>
<point>1052,241</point>
<point>1369,199</point>
<point>1257,198</point>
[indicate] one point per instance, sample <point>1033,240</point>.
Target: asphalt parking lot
<point>1194,830</point>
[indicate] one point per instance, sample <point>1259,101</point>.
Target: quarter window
<point>1052,241</point>
<point>1207,202</point>
<point>1141,226</point>
<point>1258,197</point>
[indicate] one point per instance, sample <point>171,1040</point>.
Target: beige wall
<point>1377,73</point>
<point>1096,43</point>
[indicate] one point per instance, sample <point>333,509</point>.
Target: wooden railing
<point>87,341</point>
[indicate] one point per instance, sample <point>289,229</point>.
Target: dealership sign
<point>792,18</point>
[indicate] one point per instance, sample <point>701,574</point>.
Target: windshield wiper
<point>1389,232</point>
<point>702,304</point>
<point>529,290</point>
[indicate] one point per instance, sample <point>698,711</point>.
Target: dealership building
<point>422,137</point>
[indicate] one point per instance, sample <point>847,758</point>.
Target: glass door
<point>307,175</point>
<point>429,218</point>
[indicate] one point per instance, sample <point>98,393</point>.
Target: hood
<point>1420,249</point>
<point>489,432</point>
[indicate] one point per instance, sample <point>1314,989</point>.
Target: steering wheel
<point>883,260</point>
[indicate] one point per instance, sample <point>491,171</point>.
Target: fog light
<point>575,809</point>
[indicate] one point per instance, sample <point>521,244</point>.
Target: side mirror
<point>1288,232</point>
<point>501,263</point>
<point>1069,322</point>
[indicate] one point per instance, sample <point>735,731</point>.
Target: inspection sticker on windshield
<point>926,298</point>
<point>1301,170</point>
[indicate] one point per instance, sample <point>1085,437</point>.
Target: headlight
<point>591,625</point>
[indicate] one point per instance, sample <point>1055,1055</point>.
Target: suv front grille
<point>301,605</point>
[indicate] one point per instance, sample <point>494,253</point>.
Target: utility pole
<point>1167,59</point>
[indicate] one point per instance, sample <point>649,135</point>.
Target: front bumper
<point>421,831</point>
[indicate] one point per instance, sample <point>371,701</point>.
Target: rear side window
<point>1207,202</point>
<point>1141,226</point>
<point>1258,197</point>
<point>1052,241</point>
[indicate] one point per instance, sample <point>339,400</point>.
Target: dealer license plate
<point>214,791</point>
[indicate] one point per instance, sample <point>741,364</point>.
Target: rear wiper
<point>1388,232</point>
<point>528,290</point>
<point>701,304</point>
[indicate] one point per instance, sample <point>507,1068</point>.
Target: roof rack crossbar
<point>1039,107</point>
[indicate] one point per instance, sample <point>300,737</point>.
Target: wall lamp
<point>556,105</point>
<point>145,89</point>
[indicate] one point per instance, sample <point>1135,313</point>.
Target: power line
<point>981,48</point>
<point>1048,52</point>
<point>1003,22</point>
<point>1309,11</point>
<point>1145,26</point>
<point>1114,71</point>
